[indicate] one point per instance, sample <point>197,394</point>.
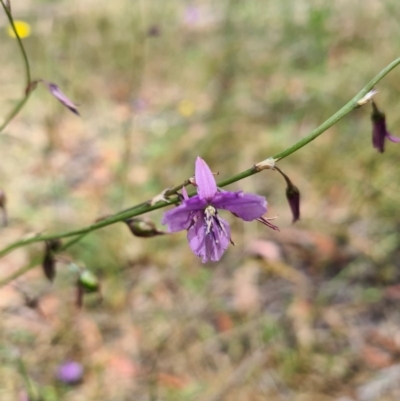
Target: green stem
<point>25,98</point>
<point>147,207</point>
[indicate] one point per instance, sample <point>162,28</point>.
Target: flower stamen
<point>209,214</point>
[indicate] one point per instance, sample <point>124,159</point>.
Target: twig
<point>146,207</point>
<point>28,88</point>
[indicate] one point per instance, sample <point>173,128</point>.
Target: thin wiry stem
<point>146,207</point>
<point>27,92</point>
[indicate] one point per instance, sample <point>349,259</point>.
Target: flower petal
<point>180,218</point>
<point>246,206</point>
<point>206,186</point>
<point>211,246</point>
<point>392,138</point>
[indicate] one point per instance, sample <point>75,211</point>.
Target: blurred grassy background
<point>306,314</point>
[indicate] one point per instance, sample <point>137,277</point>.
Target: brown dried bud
<point>3,201</point>
<point>143,228</point>
<point>154,30</point>
<point>49,262</point>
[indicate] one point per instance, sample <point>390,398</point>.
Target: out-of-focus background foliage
<point>307,314</point>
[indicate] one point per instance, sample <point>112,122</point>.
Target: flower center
<point>209,213</point>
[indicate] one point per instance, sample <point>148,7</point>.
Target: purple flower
<point>208,234</point>
<point>70,372</point>
<point>192,15</point>
<point>379,131</point>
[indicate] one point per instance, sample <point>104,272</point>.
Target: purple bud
<point>59,95</point>
<point>70,372</point>
<point>379,130</point>
<point>293,197</point>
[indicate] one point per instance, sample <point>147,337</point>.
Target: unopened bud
<point>379,130</point>
<point>292,195</point>
<point>58,94</point>
<point>143,228</point>
<point>49,262</point>
<point>88,281</point>
<point>3,201</point>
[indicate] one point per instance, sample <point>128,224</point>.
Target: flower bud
<point>3,201</point>
<point>292,195</point>
<point>88,281</point>
<point>57,93</point>
<point>379,130</point>
<point>49,262</point>
<point>143,228</point>
<point>70,373</point>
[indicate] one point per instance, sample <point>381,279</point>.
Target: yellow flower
<point>23,29</point>
<point>185,108</point>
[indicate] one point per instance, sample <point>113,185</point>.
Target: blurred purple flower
<point>70,372</point>
<point>60,96</point>
<point>23,396</point>
<point>192,15</point>
<point>379,130</point>
<point>139,104</point>
<point>208,234</point>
